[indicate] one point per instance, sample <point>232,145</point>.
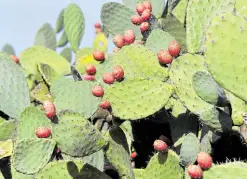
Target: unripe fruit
<point>43,132</point>
<point>174,48</point>
<point>49,108</point>
<point>98,55</point>
<point>204,160</point>
<point>146,14</point>
<point>195,171</point>
<point>98,91</point>
<point>160,146</point>
<point>147,5</point>
<point>129,37</point>
<point>118,41</point>
<point>87,77</point>
<point>108,78</point>
<point>14,58</point>
<point>164,57</point>
<point>97,25</point>
<point>118,73</point>
<point>144,26</point>
<point>105,104</point>
<point>136,19</point>
<point>90,69</point>
<point>140,8</point>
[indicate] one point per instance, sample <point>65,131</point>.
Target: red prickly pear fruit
<point>160,145</point>
<point>164,57</point>
<point>147,5</point>
<point>129,37</point>
<point>204,160</point>
<point>105,104</point>
<point>90,69</point>
<point>43,132</point>
<point>49,108</point>
<point>87,77</point>
<point>133,155</point>
<point>108,78</point>
<point>98,55</point>
<point>118,40</point>
<point>14,58</point>
<point>136,19</point>
<point>146,14</point>
<point>98,91</point>
<point>118,73</point>
<point>140,8</point>
<point>144,26</point>
<point>174,48</point>
<point>97,25</point>
<point>194,171</point>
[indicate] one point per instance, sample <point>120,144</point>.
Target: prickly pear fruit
<point>140,8</point>
<point>108,78</point>
<point>118,72</point>
<point>97,25</point>
<point>14,58</point>
<point>98,55</point>
<point>195,171</point>
<point>204,160</point>
<point>90,69</point>
<point>98,91</point>
<point>49,108</point>
<point>136,19</point>
<point>105,104</point>
<point>87,77</point>
<point>133,155</point>
<point>129,37</point>
<point>174,48</point>
<point>160,145</point>
<point>164,57</point>
<point>43,132</point>
<point>118,40</point>
<point>147,5</point>
<point>144,26</point>
<point>146,14</point>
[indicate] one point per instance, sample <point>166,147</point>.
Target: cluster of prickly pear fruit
<point>172,89</point>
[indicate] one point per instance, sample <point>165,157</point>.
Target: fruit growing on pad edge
<point>144,26</point>
<point>99,55</point>
<point>43,132</point>
<point>98,91</point>
<point>49,108</point>
<point>160,145</point>
<point>105,104</point>
<point>108,78</point>
<point>164,57</point>
<point>90,69</point>
<point>136,19</point>
<point>195,171</point>
<point>129,37</point>
<point>174,48</point>
<point>118,40</point>
<point>204,160</point>
<point>118,73</point>
<point>87,77</point>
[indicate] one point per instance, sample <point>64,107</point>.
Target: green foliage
<point>63,40</point>
<point>60,22</point>
<point>67,53</point>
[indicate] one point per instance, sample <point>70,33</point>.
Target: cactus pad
<point>231,57</point>
<point>83,140</point>
<point>74,25</point>
<point>14,95</point>
<point>31,155</point>
<point>199,15</point>
<point>180,10</point>
<point>6,148</point>
<point>59,22</point>
<point>116,18</point>
<point>7,130</point>
<point>176,106</point>
<point>140,62</point>
<point>96,160</point>
<point>241,7</point>
<point>67,53</point>
<point>139,173</point>
<point>100,42</point>
<point>205,145</point>
<point>48,73</point>
<point>63,40</point>
<point>131,99</point>
<point>7,48</point>
<point>41,93</point>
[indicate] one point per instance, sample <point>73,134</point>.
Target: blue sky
<point>20,19</point>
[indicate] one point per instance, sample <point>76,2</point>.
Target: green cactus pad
<point>63,40</point>
<point>76,97</point>
<point>59,22</point>
<point>55,90</point>
<point>139,173</point>
<point>67,54</point>
<point>158,40</point>
<point>7,130</point>
<point>7,48</point>
<point>83,140</point>
<point>74,25</point>
<point>216,119</point>
<point>6,148</point>
<point>189,150</point>
<point>117,153</point>
<point>100,42</point>
<point>198,18</point>
<point>140,62</point>
<point>41,93</point>
<point>31,155</point>
<point>14,95</point>
<point>205,145</point>
<point>180,10</point>
<point>164,166</point>
<point>70,170</point>
<point>18,175</point>
<point>181,74</point>
<point>46,36</point>
<point>127,129</point>
<point>48,73</point>
<point>38,54</point>
<point>229,58</point>
<point>116,18</point>
<point>241,7</point>
<point>131,99</point>
<point>207,89</point>
<point>31,118</point>
<point>176,106</point>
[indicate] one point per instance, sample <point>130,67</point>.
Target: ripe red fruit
<point>87,77</point>
<point>164,57</point>
<point>97,25</point>
<point>118,72</point>
<point>98,91</point>
<point>136,19</point>
<point>146,14</point>
<point>105,104</point>
<point>195,171</point>
<point>140,8</point>
<point>43,132</point>
<point>108,78</point>
<point>90,69</point>
<point>147,5</point>
<point>144,26</point>
<point>174,48</point>
<point>133,155</point>
<point>160,146</point>
<point>204,160</point>
<point>129,37</point>
<point>49,108</point>
<point>14,58</point>
<point>98,55</point>
<point>118,41</point>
